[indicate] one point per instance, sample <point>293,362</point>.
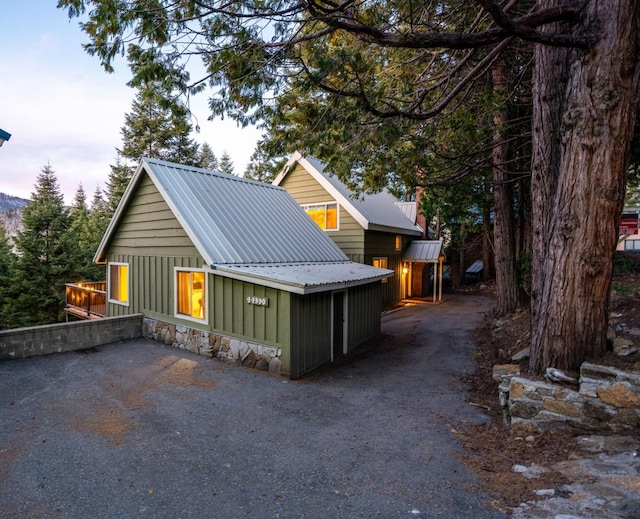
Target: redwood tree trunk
<point>584,112</point>
<point>503,224</point>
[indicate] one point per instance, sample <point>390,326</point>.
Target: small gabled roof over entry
<point>374,212</point>
<point>424,251</point>
<point>238,225</point>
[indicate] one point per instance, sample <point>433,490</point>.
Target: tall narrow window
<point>381,263</point>
<point>398,242</point>
<point>191,298</point>
<point>119,283</point>
<point>325,215</point>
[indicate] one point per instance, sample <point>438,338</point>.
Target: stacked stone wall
<point>606,399</point>
<point>209,344</point>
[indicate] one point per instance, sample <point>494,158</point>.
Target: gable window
<point>381,263</point>
<point>398,242</point>
<point>325,215</point>
<point>191,294</point>
<point>118,283</point>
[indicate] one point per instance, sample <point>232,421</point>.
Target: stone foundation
<point>209,344</point>
<point>606,399</point>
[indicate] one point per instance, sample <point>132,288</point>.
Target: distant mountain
<point>8,202</point>
<point>11,213</point>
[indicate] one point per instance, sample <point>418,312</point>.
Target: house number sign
<point>260,301</point>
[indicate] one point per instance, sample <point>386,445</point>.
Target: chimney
<point>420,219</point>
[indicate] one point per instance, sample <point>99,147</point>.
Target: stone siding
<point>209,344</point>
<point>606,399</point>
<point>20,343</point>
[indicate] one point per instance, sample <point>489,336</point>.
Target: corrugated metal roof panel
<point>379,209</point>
<point>424,251</point>
<point>475,268</point>
<point>305,277</point>
<point>408,208</point>
<point>235,220</point>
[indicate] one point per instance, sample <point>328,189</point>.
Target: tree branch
<point>522,27</point>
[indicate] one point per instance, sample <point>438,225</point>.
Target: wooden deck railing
<point>87,300</point>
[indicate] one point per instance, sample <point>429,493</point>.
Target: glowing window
<point>381,263</point>
<point>325,215</point>
<point>119,283</point>
<point>191,298</point>
<point>398,242</point>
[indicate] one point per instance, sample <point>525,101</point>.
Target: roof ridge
<point>210,172</point>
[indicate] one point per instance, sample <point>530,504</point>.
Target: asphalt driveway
<point>141,430</point>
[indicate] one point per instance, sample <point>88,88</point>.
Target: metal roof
<point>248,230</point>
<point>234,220</point>
<point>424,251</point>
<point>376,211</point>
<point>306,278</point>
<point>408,208</point>
<point>475,268</point>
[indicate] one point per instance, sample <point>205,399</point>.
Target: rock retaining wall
<point>209,344</point>
<point>606,399</point>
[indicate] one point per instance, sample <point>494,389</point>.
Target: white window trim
<point>206,295</point>
<point>117,301</point>
<point>325,204</point>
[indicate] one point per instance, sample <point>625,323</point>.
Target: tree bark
<point>503,222</point>
<point>584,111</point>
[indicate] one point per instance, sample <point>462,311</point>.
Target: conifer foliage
<point>44,262</point>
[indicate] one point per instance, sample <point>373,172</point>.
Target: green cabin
<point>372,229</point>
<point>233,268</point>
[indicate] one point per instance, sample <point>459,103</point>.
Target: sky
<point>62,109</point>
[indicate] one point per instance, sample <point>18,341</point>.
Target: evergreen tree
<point>207,159</point>
<point>44,251</point>
<point>153,129</point>
<point>226,164</point>
<point>119,178</point>
<point>86,239</point>
<point>262,165</point>
<point>7,273</point>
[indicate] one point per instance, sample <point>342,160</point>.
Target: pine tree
<point>7,273</point>
<point>226,164</point>
<point>153,130</point>
<point>262,164</point>
<point>44,249</point>
<point>207,158</point>
<point>119,178</point>
<point>86,240</point>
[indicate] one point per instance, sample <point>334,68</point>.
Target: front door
<point>338,325</point>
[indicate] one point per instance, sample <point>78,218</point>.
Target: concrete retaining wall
<point>209,344</point>
<point>78,335</point>
<point>607,399</point>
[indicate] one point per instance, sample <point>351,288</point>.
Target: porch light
<point>4,136</point>
<point>405,271</point>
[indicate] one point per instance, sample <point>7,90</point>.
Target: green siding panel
<point>310,332</point>
<point>149,228</point>
<point>363,313</point>
<point>151,281</point>
<point>306,190</point>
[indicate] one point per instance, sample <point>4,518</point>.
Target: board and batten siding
<point>364,303</point>
<point>380,244</point>
<point>310,332</point>
<point>152,242</point>
<point>152,290</point>
<point>306,190</point>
